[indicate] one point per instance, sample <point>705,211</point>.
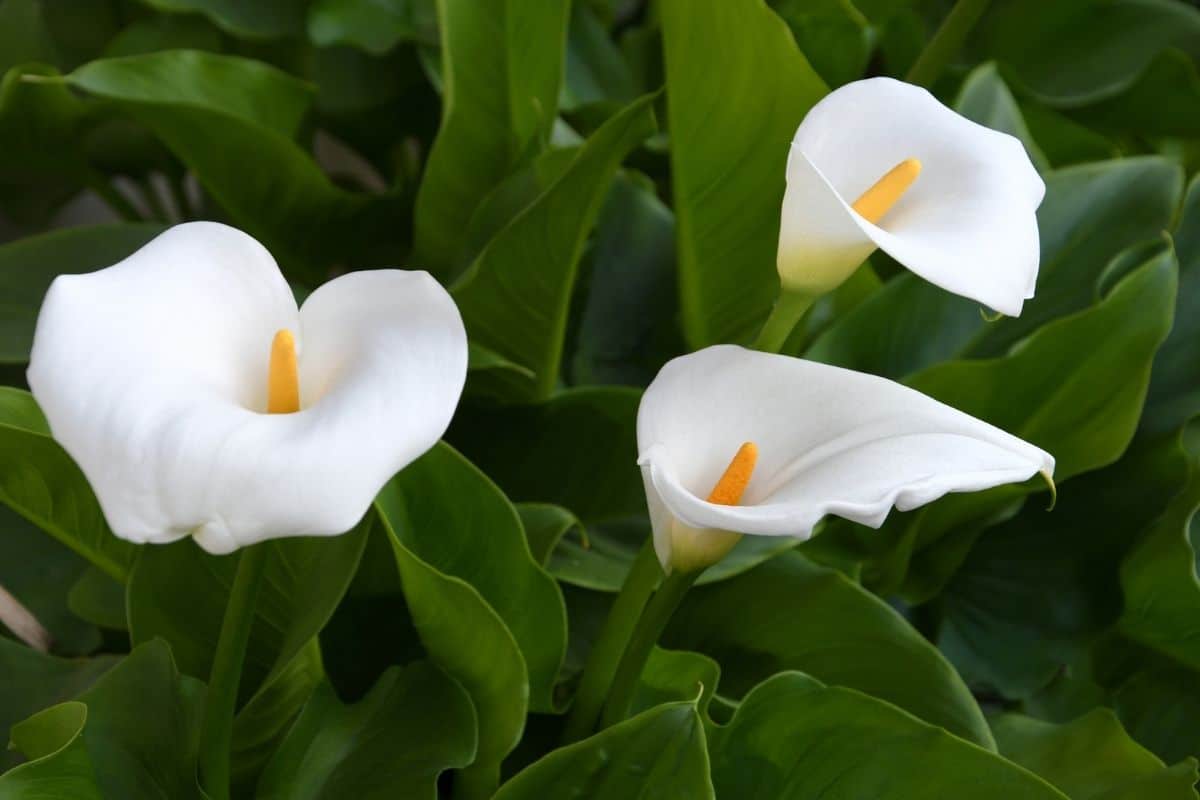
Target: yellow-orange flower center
<point>735,479</point>
<point>283,375</point>
<point>876,202</point>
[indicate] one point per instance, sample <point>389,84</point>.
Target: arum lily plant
<point>880,163</point>
<point>200,401</point>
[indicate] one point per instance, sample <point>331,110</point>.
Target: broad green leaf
<point>627,328</point>
<point>790,614</point>
<point>545,525</point>
<point>461,632</point>
<point>415,723</point>
<point>27,267</point>
<point>675,676</point>
<point>265,19</point>
<point>503,62</point>
<point>737,88</point>
<point>33,681</point>
<point>1075,388</point>
<point>659,754</point>
<point>24,35</point>
<point>168,32</point>
<point>597,72</point>
<point>39,481</point>
<point>1075,52</point>
<point>985,98</point>
<point>268,185</point>
<point>793,739</point>
<point>1159,706</point>
<point>99,599</point>
<point>179,593</point>
<point>835,36</point>
<point>515,297</point>
<point>1091,213</point>
<point>1064,141</point>
<point>457,521</point>
<point>1174,394</point>
<point>1164,101</point>
<point>577,450</point>
<point>1092,758</point>
<point>375,26</point>
<point>1035,591</point>
<point>135,733</point>
<point>37,571</point>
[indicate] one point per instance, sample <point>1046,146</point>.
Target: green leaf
<point>1035,591</point>
<point>659,754</point>
<point>1074,388</point>
<point>515,297</point>
<point>179,593</point>
<point>834,35</point>
<point>844,636</point>
<point>1159,706</point>
<point>627,329</point>
<point>33,681</point>
<point>415,723</point>
<point>737,88</point>
<point>39,481</point>
<point>458,522</point>
<point>503,63</point>
<point>267,184</point>
<point>1076,52</point>
<point>1165,101</point>
<point>793,739</point>
<point>135,733</point>
<point>375,26</point>
<point>1091,758</point>
<point>99,599</point>
<point>27,267</point>
<point>1174,394</point>
<point>596,69</point>
<point>262,19</point>
<point>985,98</point>
<point>674,676</point>
<point>36,570</point>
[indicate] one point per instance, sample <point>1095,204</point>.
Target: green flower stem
<point>789,309</point>
<point>654,620</point>
<point>602,661</point>
<point>946,42</point>
<point>216,734</point>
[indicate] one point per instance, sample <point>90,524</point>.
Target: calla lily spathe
<point>153,375</point>
<point>967,223</point>
<point>829,441</point>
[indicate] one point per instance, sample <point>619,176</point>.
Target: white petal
<point>968,224</point>
<point>152,375</point>
<point>830,441</point>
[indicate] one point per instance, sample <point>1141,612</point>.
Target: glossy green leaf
<point>503,62</point>
<point>375,26</point>
<point>1159,706</point>
<point>597,72</point>
<point>737,88</point>
<point>39,481</point>
<point>260,19</point>
<point>179,593</point>
<point>1074,388</point>
<point>1075,52</point>
<point>1164,101</point>
<point>627,328</point>
<point>675,676</point>
<point>985,98</point>
<point>268,185</point>
<point>835,36</point>
<point>135,733</point>
<point>99,599</point>
<point>659,753</point>
<point>1092,758</point>
<point>792,739</point>
<point>515,297</point>
<point>33,681</point>
<point>29,265</point>
<point>415,723</point>
<point>790,614</point>
<point>457,521</point>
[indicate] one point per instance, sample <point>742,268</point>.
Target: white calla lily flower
<point>157,375</point>
<point>879,163</point>
<point>810,440</point>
